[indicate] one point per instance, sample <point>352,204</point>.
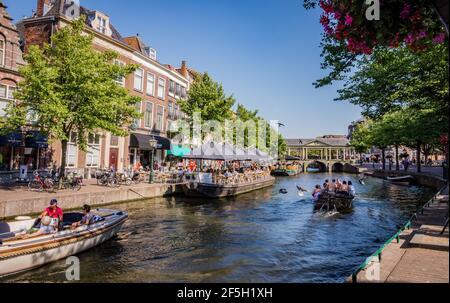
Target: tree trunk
<point>62,169</point>
<point>419,156</point>
<point>397,159</point>
<point>383,157</point>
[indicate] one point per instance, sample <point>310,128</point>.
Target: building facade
<point>24,147</point>
<point>158,86</point>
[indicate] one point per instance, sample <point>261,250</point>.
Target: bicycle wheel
<point>34,186</point>
<point>77,186</point>
<point>49,185</point>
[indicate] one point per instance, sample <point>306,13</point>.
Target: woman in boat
<point>87,219</point>
<point>317,192</point>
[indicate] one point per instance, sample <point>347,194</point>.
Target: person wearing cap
<point>54,212</point>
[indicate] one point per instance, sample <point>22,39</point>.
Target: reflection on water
<point>263,236</point>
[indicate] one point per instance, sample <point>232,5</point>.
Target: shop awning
<point>36,140</point>
<point>13,139</point>
<point>142,142</point>
<point>179,151</point>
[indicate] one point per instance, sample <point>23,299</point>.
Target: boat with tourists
<point>222,170</point>
<point>287,167</point>
<point>19,252</point>
<point>335,201</point>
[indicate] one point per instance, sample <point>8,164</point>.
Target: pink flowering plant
<point>410,22</point>
<point>350,35</point>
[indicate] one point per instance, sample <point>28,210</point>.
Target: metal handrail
<point>396,237</point>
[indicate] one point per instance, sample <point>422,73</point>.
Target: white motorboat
<point>19,254</point>
<point>402,180</point>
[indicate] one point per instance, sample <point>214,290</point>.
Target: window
<point>3,105</point>
<point>72,150</point>
<point>149,115</point>
<point>11,91</point>
<point>137,122</point>
<point>7,92</point>
<point>93,151</point>
<point>183,92</point>
<point>152,54</point>
<point>171,110</point>
<point>160,118</point>
<point>2,51</point>
<point>150,84</point>
<point>114,141</point>
<point>101,27</point>
<point>3,91</point>
<point>138,79</point>
<point>161,88</point>
<point>178,92</point>
<point>172,88</point>
<point>120,80</point>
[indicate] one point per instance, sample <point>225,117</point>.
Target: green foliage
<point>361,140</point>
<point>208,98</point>
<point>394,78</point>
<point>69,87</point>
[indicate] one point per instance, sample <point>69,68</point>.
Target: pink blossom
<point>337,15</point>
<point>327,7</point>
<point>324,20</point>
<point>406,12</point>
<point>410,38</point>
<point>438,39</point>
<point>348,20</point>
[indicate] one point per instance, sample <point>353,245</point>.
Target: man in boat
<point>332,186</point>
<point>88,217</point>
<point>55,213</point>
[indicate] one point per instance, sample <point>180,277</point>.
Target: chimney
<point>41,6</point>
<point>184,70</point>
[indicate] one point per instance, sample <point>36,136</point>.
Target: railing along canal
<point>396,237</point>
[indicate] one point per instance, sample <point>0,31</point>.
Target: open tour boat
<point>18,255</point>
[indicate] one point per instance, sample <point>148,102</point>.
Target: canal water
<point>264,236</point>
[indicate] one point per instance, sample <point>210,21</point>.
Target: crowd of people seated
<point>336,186</point>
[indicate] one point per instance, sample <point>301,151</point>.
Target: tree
<point>394,78</point>
<point>69,88</point>
<point>349,33</point>
<point>361,140</point>
<point>208,98</point>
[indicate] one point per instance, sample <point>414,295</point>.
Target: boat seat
<point>4,228</point>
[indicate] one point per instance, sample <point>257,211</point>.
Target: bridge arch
<point>337,167</point>
<point>316,164</point>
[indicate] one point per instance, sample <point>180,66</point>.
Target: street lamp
<point>153,146</point>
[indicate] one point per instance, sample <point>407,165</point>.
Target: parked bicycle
<point>41,184</point>
<point>108,178</point>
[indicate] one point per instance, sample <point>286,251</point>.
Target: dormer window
<point>152,54</point>
<point>101,24</point>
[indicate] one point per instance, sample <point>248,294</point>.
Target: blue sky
<point>264,52</point>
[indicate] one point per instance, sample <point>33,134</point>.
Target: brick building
<point>19,147</point>
<point>158,86</point>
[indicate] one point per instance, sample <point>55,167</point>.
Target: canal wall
<point>419,178</point>
<point>21,203</point>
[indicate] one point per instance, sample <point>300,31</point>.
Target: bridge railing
<point>378,254</point>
